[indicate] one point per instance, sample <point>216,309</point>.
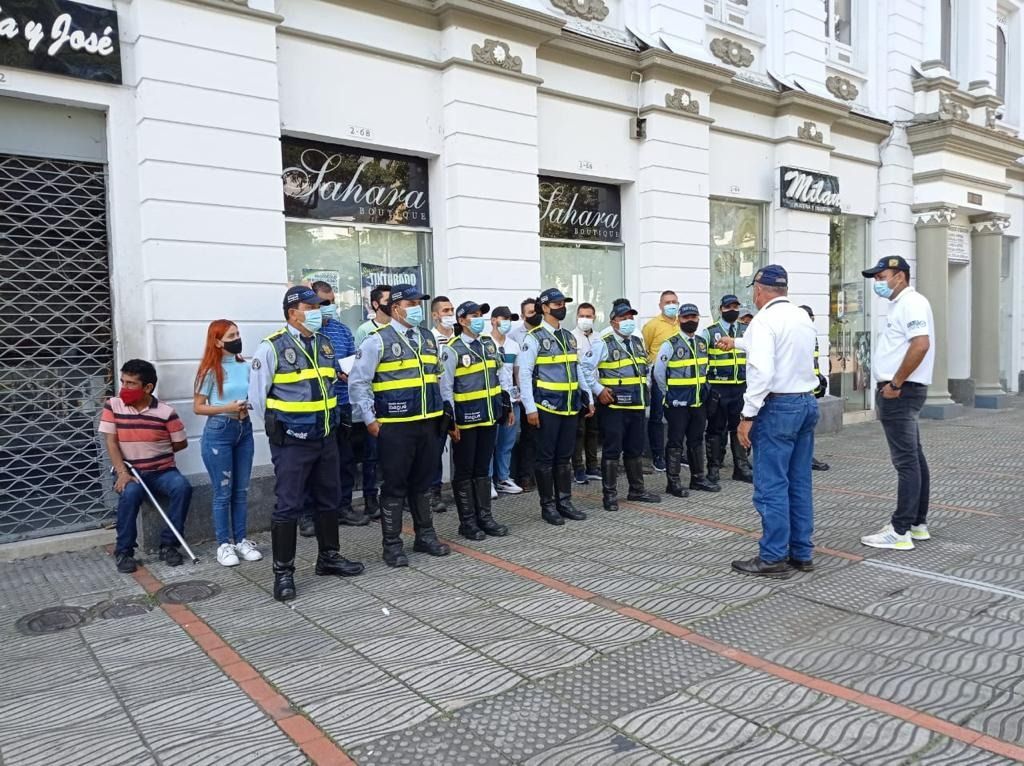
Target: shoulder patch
<point>664,357</point>
<point>256,364</point>
<point>359,353</point>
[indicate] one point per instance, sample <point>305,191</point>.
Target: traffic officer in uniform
<point>549,375</point>
<point>821,389</point>
<point>292,388</point>
<point>616,373</point>
<point>727,375</point>
<point>471,390</point>
<point>394,389</point>
<point>681,372</point>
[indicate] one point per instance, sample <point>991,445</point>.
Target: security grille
<point>56,346</point>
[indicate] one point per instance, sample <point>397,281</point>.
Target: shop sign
<point>808,191</point>
<point>958,244</point>
<point>334,183</point>
<point>60,37</point>
<point>577,210</point>
<point>373,274</point>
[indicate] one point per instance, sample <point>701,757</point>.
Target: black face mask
<point>532,321</point>
<point>730,316</point>
<point>558,314</point>
<point>233,346</point>
<point>690,327</point>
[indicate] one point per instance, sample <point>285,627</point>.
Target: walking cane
<point>167,521</point>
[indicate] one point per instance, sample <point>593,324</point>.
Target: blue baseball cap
<point>772,275</point>
<point>888,262</point>
<point>407,293</point>
<point>746,311</point>
<point>469,307</point>
<point>689,308</point>
<point>552,295</point>
<point>727,299</point>
<point>297,294</point>
<point>621,310</point>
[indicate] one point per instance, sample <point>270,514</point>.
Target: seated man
<point>146,433</point>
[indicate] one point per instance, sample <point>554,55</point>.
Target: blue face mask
<point>504,326</point>
<point>882,289</point>
<point>414,314</point>
<point>329,312</point>
<point>476,324</point>
<point>314,320</point>
<point>627,327</point>
<point>671,310</point>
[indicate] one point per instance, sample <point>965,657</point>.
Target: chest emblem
<point>546,343</point>
<point>327,349</point>
<point>289,355</point>
<point>572,342</point>
<point>616,356</point>
<point>430,344</point>
<point>466,361</point>
<point>680,353</point>
<point>396,349</point>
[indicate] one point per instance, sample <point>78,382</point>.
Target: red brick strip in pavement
<point>924,720</point>
<point>942,506</point>
<point>316,745</point>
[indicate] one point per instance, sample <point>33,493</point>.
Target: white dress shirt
<point>779,343</point>
<point>910,316</point>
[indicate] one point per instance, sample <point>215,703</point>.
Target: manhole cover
<point>187,592</point>
<point>53,620</point>
<point>122,607</point>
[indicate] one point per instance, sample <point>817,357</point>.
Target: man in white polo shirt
<point>902,361</point>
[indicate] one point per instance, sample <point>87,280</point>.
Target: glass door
<point>737,248</point>
<point>849,314</point>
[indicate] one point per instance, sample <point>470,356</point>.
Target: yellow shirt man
<point>662,327</point>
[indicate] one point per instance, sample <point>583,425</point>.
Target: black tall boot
<point>716,455</point>
<point>484,517</point>
<point>546,489</point>
<point>609,484</point>
<point>697,478</point>
<point>371,507</point>
<point>391,531</point>
<point>328,560</point>
<point>283,535</point>
<point>563,493</point>
<point>437,504</point>
<point>463,491</point>
<point>740,460</point>
<point>635,476</point>
<point>673,461</point>
<point>422,518</point>
<point>306,526</point>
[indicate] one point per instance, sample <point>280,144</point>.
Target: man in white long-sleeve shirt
<point>779,416</point>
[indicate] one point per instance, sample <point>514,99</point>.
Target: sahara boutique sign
<point>335,183</point>
<point>808,191</point>
<point>577,210</point>
<point>60,37</point>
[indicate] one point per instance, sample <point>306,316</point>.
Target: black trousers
<point>525,452</point>
<point>726,416</point>
<point>686,426</point>
<point>301,467</point>
<point>408,454</point>
<point>472,452</point>
<point>557,439</point>
<point>900,422</point>
<point>346,457</point>
<point>622,432</point>
<point>587,436</point>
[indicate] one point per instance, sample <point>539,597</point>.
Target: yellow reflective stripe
<point>557,386</point>
<point>682,363</point>
<point>428,416</point>
<point>685,381</point>
<point>474,368</point>
<point>392,385</point>
<point>721,363</point>
<point>554,411</point>
<point>481,394</point>
<point>616,365</point>
<point>317,406</point>
<point>620,381</point>
<point>482,424</point>
<point>557,359</point>
<point>428,358</point>
<point>308,374</point>
<point>727,382</point>
<point>401,364</point>
<point>626,406</point>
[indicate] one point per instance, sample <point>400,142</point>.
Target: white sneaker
<point>226,555</point>
<point>920,532</point>
<point>494,492</point>
<point>886,537</point>
<point>248,550</point>
<point>509,487</point>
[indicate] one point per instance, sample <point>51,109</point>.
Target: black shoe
<point>563,493</point>
<point>715,455</point>
<point>817,465</point>
<point>391,532</point>
<point>546,490</point>
<point>740,460</point>
<point>801,566</point>
<point>466,508</point>
<point>698,480</point>
<point>306,527</point>
<point>427,542</point>
<point>282,546</point>
<point>437,504</point>
<point>484,517</point>
<point>754,566</point>
<point>426,538</point>
<point>284,584</point>
<point>333,563</point>
<point>171,556</point>
<point>635,477</point>
<point>674,486</point>
<point>701,484</point>
<point>350,517</point>
<point>746,478</point>
<point>126,563</point>
<point>527,484</point>
<point>658,463</point>
<point>609,484</point>
<point>371,507</point>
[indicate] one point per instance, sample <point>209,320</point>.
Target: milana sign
<point>808,191</point>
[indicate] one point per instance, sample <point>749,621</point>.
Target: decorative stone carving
<point>992,223</point>
<point>940,215</point>
<point>951,109</point>
<point>588,10</point>
<point>681,100</point>
<point>991,117</point>
<point>841,88</point>
<point>731,52</point>
<point>809,131</point>
<point>497,53</point>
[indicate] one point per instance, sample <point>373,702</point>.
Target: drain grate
<point>53,619</point>
<point>187,592</point>
<point>115,609</point>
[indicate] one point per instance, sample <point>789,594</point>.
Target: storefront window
<point>849,313</point>
<point>587,273</point>
<point>737,247</point>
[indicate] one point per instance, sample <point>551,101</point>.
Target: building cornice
<point>770,139</point>
<point>351,45</point>
<point>655,109</point>
<point>237,10</point>
<point>499,16</point>
<point>958,137</point>
<point>951,176</point>
<point>859,126</point>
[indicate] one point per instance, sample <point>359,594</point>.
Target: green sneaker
<point>920,532</point>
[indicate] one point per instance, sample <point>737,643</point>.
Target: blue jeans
<point>502,462</point>
<point>173,486</point>
<point>656,421</point>
<point>783,444</point>
<point>227,449</point>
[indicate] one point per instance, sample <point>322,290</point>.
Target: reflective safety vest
<point>405,386</point>
<point>725,367</point>
<point>556,386</point>
<point>477,392</point>
<point>686,371</point>
<point>822,387</point>
<point>624,371</point>
<point>301,393</point>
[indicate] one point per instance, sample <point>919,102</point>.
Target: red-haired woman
<point>222,391</point>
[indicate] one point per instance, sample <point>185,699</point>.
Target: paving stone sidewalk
<point>568,645</point>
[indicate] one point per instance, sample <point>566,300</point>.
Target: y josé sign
<point>809,191</point>
<point>333,183</point>
<point>577,210</point>
<point>60,37</point>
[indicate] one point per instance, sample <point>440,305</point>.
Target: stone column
<point>933,283</point>
<point>986,255</point>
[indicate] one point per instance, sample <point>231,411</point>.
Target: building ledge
<point>960,137</point>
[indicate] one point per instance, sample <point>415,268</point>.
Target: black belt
<point>798,393</point>
<point>910,383</point>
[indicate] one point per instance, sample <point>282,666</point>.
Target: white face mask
<point>448,321</point>
<point>585,323</point>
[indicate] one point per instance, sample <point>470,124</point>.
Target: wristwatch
<point>748,418</point>
<point>893,386</point>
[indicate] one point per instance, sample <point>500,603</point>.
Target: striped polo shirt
<point>145,437</point>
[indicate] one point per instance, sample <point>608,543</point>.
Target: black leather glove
<point>819,392</point>
<point>506,406</point>
<point>447,419</point>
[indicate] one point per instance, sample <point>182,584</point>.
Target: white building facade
<point>180,161</point>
